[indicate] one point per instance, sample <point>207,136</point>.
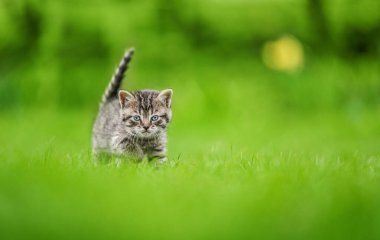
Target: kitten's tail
<point>117,78</point>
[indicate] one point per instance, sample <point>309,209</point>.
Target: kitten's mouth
<point>146,133</point>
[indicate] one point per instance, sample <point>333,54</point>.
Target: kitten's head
<point>145,113</point>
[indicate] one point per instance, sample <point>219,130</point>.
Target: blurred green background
<point>276,113</point>
<point>220,57</point>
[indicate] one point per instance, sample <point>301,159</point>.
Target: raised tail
<point>115,83</point>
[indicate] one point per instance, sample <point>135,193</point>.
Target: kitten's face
<point>145,113</point>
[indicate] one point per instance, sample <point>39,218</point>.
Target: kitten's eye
<point>154,118</point>
<point>136,118</point>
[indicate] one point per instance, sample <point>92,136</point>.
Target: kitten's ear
<point>124,97</point>
<point>166,96</point>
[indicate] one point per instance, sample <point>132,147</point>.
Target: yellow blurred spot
<point>283,54</point>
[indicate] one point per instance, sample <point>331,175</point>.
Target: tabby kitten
<point>132,124</point>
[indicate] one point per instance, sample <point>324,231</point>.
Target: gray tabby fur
<point>132,124</point>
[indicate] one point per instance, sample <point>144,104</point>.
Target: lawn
<point>252,154</point>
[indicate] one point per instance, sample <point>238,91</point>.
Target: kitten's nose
<point>146,127</point>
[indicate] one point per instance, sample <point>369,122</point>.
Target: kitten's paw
<point>163,160</point>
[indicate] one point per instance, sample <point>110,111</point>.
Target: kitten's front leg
<point>133,152</point>
<point>158,153</point>
<point>129,150</point>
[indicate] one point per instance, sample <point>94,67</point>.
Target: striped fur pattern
<point>132,124</point>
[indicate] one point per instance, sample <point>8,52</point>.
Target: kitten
<point>132,124</point>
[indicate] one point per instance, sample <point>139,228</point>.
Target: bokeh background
<point>237,67</point>
<point>251,78</point>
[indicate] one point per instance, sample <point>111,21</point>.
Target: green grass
<point>305,181</point>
